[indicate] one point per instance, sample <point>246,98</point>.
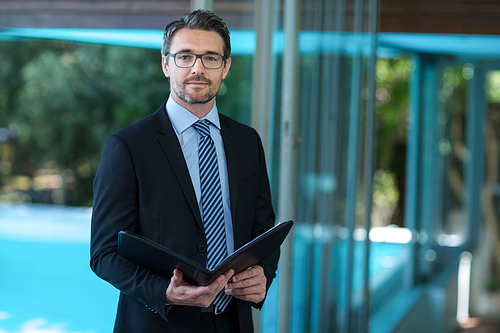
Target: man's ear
<point>164,66</point>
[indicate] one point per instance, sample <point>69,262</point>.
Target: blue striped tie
<point>211,203</point>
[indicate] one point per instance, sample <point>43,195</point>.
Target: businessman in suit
<point>149,181</point>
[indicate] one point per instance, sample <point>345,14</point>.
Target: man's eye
<point>211,58</point>
<point>184,57</point>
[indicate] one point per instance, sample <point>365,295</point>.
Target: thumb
<point>177,277</point>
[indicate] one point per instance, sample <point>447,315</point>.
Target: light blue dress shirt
<point>182,121</point>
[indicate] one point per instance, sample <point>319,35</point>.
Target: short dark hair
<point>199,19</point>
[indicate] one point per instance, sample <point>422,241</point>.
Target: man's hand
<point>249,285</point>
<point>180,292</point>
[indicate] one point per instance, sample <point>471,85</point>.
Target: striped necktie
<point>211,203</point>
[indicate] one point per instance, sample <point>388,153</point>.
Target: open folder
<point>162,260</point>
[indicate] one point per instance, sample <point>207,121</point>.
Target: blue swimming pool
<point>46,284</point>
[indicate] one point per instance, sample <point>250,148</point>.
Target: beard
<point>191,98</point>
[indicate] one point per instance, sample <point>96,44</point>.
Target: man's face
<point>195,85</point>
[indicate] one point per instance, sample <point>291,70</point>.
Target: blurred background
<point>380,120</point>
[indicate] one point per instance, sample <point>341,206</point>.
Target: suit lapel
<point>171,147</point>
<point>231,150</point>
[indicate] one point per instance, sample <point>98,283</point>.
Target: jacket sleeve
<point>115,208</point>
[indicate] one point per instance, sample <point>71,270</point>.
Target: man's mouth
<point>197,81</point>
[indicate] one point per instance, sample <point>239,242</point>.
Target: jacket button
<point>202,248</point>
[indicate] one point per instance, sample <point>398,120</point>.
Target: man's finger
<point>177,278</point>
<point>248,273</point>
<point>255,289</point>
<point>219,283</point>
<point>243,281</point>
<point>252,294</point>
<point>178,274</point>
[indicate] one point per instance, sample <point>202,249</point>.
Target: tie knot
<point>202,127</point>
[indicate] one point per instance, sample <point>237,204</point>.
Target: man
<point>152,180</point>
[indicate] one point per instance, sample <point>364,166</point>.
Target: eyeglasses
<point>187,60</point>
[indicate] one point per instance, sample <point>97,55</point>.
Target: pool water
<point>46,284</point>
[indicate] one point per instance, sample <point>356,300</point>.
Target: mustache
<point>197,78</point>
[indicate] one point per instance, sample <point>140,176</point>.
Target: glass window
<point>235,96</point>
<point>331,94</point>
<point>452,151</point>
<point>491,193</point>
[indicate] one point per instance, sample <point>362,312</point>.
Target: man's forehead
<point>196,40</point>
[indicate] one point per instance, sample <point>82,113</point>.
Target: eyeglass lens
<point>211,61</point>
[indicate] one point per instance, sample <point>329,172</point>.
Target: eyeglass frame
<point>197,56</point>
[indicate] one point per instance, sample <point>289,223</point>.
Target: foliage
<point>493,86</point>
<point>59,101</point>
<point>392,116</point>
<point>385,197</point>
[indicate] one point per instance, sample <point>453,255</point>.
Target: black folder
<point>162,260</point>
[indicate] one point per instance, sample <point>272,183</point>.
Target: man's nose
<point>198,66</point>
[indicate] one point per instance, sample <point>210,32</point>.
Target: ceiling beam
<point>441,16</point>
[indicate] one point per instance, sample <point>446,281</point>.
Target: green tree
<point>60,101</point>
<point>392,122</point>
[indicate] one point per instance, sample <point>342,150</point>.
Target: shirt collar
<point>182,119</point>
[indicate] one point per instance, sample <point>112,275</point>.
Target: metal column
<point>286,167</point>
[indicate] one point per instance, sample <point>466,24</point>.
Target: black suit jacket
<point>143,185</point>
